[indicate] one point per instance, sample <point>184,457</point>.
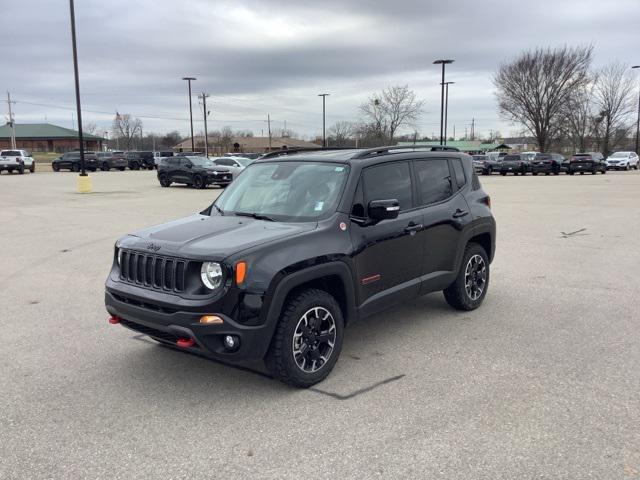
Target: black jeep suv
<point>71,161</point>
<point>302,245</point>
<point>138,160</point>
<point>195,171</point>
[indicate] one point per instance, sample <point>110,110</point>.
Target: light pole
<point>189,80</point>
<point>446,109</point>
<point>443,63</point>
<point>638,120</point>
<point>324,136</point>
<point>84,183</point>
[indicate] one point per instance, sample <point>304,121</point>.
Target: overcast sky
<point>273,57</point>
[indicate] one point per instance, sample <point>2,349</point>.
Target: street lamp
<point>638,120</point>
<point>443,63</point>
<point>446,109</point>
<point>84,182</point>
<point>189,80</point>
<point>324,137</point>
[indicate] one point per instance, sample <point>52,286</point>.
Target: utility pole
<point>12,122</point>
<point>189,80</point>
<point>638,120</point>
<point>324,135</point>
<point>473,128</point>
<point>269,127</point>
<point>454,132</point>
<point>206,113</point>
<point>442,83</point>
<point>83,172</point>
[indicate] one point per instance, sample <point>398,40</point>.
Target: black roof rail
<point>380,150</point>
<point>289,151</point>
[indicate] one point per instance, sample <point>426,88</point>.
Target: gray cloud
<point>273,57</point>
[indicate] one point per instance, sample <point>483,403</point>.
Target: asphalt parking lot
<point>541,382</point>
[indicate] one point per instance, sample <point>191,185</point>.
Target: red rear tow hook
<point>113,320</point>
<point>185,342</point>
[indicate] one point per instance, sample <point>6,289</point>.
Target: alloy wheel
<point>314,339</point>
<point>475,277</point>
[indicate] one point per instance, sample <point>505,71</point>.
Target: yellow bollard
<point>83,184</point>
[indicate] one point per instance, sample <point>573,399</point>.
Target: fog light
<point>211,320</point>
<point>231,342</point>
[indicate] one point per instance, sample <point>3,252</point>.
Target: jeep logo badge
<point>153,247</point>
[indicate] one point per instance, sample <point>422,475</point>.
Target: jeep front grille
<point>153,271</point>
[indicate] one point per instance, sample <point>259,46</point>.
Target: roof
<point>254,143</point>
<point>43,131</point>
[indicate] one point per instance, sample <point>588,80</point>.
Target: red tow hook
<point>113,320</point>
<point>185,342</point>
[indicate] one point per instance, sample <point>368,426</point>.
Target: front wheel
<point>121,169</point>
<point>105,167</point>
<point>75,167</point>
<point>32,168</point>
<point>198,182</point>
<point>470,286</point>
<point>164,181</point>
<point>56,167</point>
<point>308,339</point>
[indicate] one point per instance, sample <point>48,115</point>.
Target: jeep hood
<point>212,237</point>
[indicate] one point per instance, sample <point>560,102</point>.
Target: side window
<point>458,172</point>
<point>185,162</point>
<point>391,180</point>
<point>358,209</point>
<point>434,180</point>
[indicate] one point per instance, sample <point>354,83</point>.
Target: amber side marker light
<point>241,270</point>
<point>211,320</point>
<point>487,201</point>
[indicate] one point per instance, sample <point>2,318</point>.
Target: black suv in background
<point>109,160</point>
<point>138,160</point>
<point>71,161</point>
<point>592,162</point>
<point>547,163</point>
<point>199,172</point>
<point>302,245</point>
<point>514,163</point>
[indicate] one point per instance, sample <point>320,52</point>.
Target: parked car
<point>514,163</point>
<point>199,172</point>
<point>71,161</point>
<point>299,247</point>
<point>161,154</point>
<point>19,160</point>
<point>233,164</point>
<point>487,164</point>
<point>251,156</point>
<point>547,163</point>
<point>137,160</point>
<point>587,162</point>
<point>622,161</point>
<point>109,160</point>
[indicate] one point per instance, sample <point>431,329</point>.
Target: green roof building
<point>468,146</point>
<point>44,137</point>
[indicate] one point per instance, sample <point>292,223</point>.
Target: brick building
<point>44,137</point>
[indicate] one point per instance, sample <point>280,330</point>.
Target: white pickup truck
<point>19,160</point>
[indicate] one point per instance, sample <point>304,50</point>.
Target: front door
<point>388,254</point>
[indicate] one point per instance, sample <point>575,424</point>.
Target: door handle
<point>460,213</point>
<point>412,228</point>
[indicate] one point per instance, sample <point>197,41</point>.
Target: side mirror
<point>189,165</point>
<point>384,209</point>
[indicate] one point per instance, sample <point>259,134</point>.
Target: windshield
<point>619,155</point>
<point>243,161</point>
<point>201,161</point>
<point>286,191</point>
<point>528,156</point>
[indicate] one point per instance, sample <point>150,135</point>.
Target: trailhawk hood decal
<point>214,237</point>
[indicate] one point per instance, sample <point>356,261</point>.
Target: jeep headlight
<point>211,275</point>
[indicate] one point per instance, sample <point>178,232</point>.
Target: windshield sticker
<point>318,207</point>
<point>338,169</point>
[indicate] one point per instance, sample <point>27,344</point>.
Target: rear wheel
<point>308,339</point>
<point>75,167</point>
<point>470,286</point>
<point>135,166</point>
<point>504,174</point>
<point>21,169</point>
<point>105,167</point>
<point>121,169</point>
<point>164,180</point>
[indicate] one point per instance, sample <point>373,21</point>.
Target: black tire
<point>571,173</point>
<point>21,169</point>
<point>55,167</point>
<point>604,172</point>
<point>504,174</point>
<point>121,169</point>
<point>105,167</point>
<point>198,182</point>
<point>457,294</point>
<point>164,180</point>
<point>32,168</point>
<point>135,166</point>
<point>281,361</point>
<point>75,167</point>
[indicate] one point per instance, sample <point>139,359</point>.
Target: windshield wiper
<point>257,216</point>
<point>220,211</point>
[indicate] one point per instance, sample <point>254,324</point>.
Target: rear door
<point>439,183</point>
<point>388,254</point>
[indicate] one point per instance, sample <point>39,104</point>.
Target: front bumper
<point>168,325</point>
<point>542,168</point>
<point>220,178</point>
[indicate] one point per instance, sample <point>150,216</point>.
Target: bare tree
<point>536,87</point>
<point>614,102</point>
<point>90,128</point>
<point>578,118</point>
<point>340,134</point>
<point>125,128</point>
<point>392,109</point>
